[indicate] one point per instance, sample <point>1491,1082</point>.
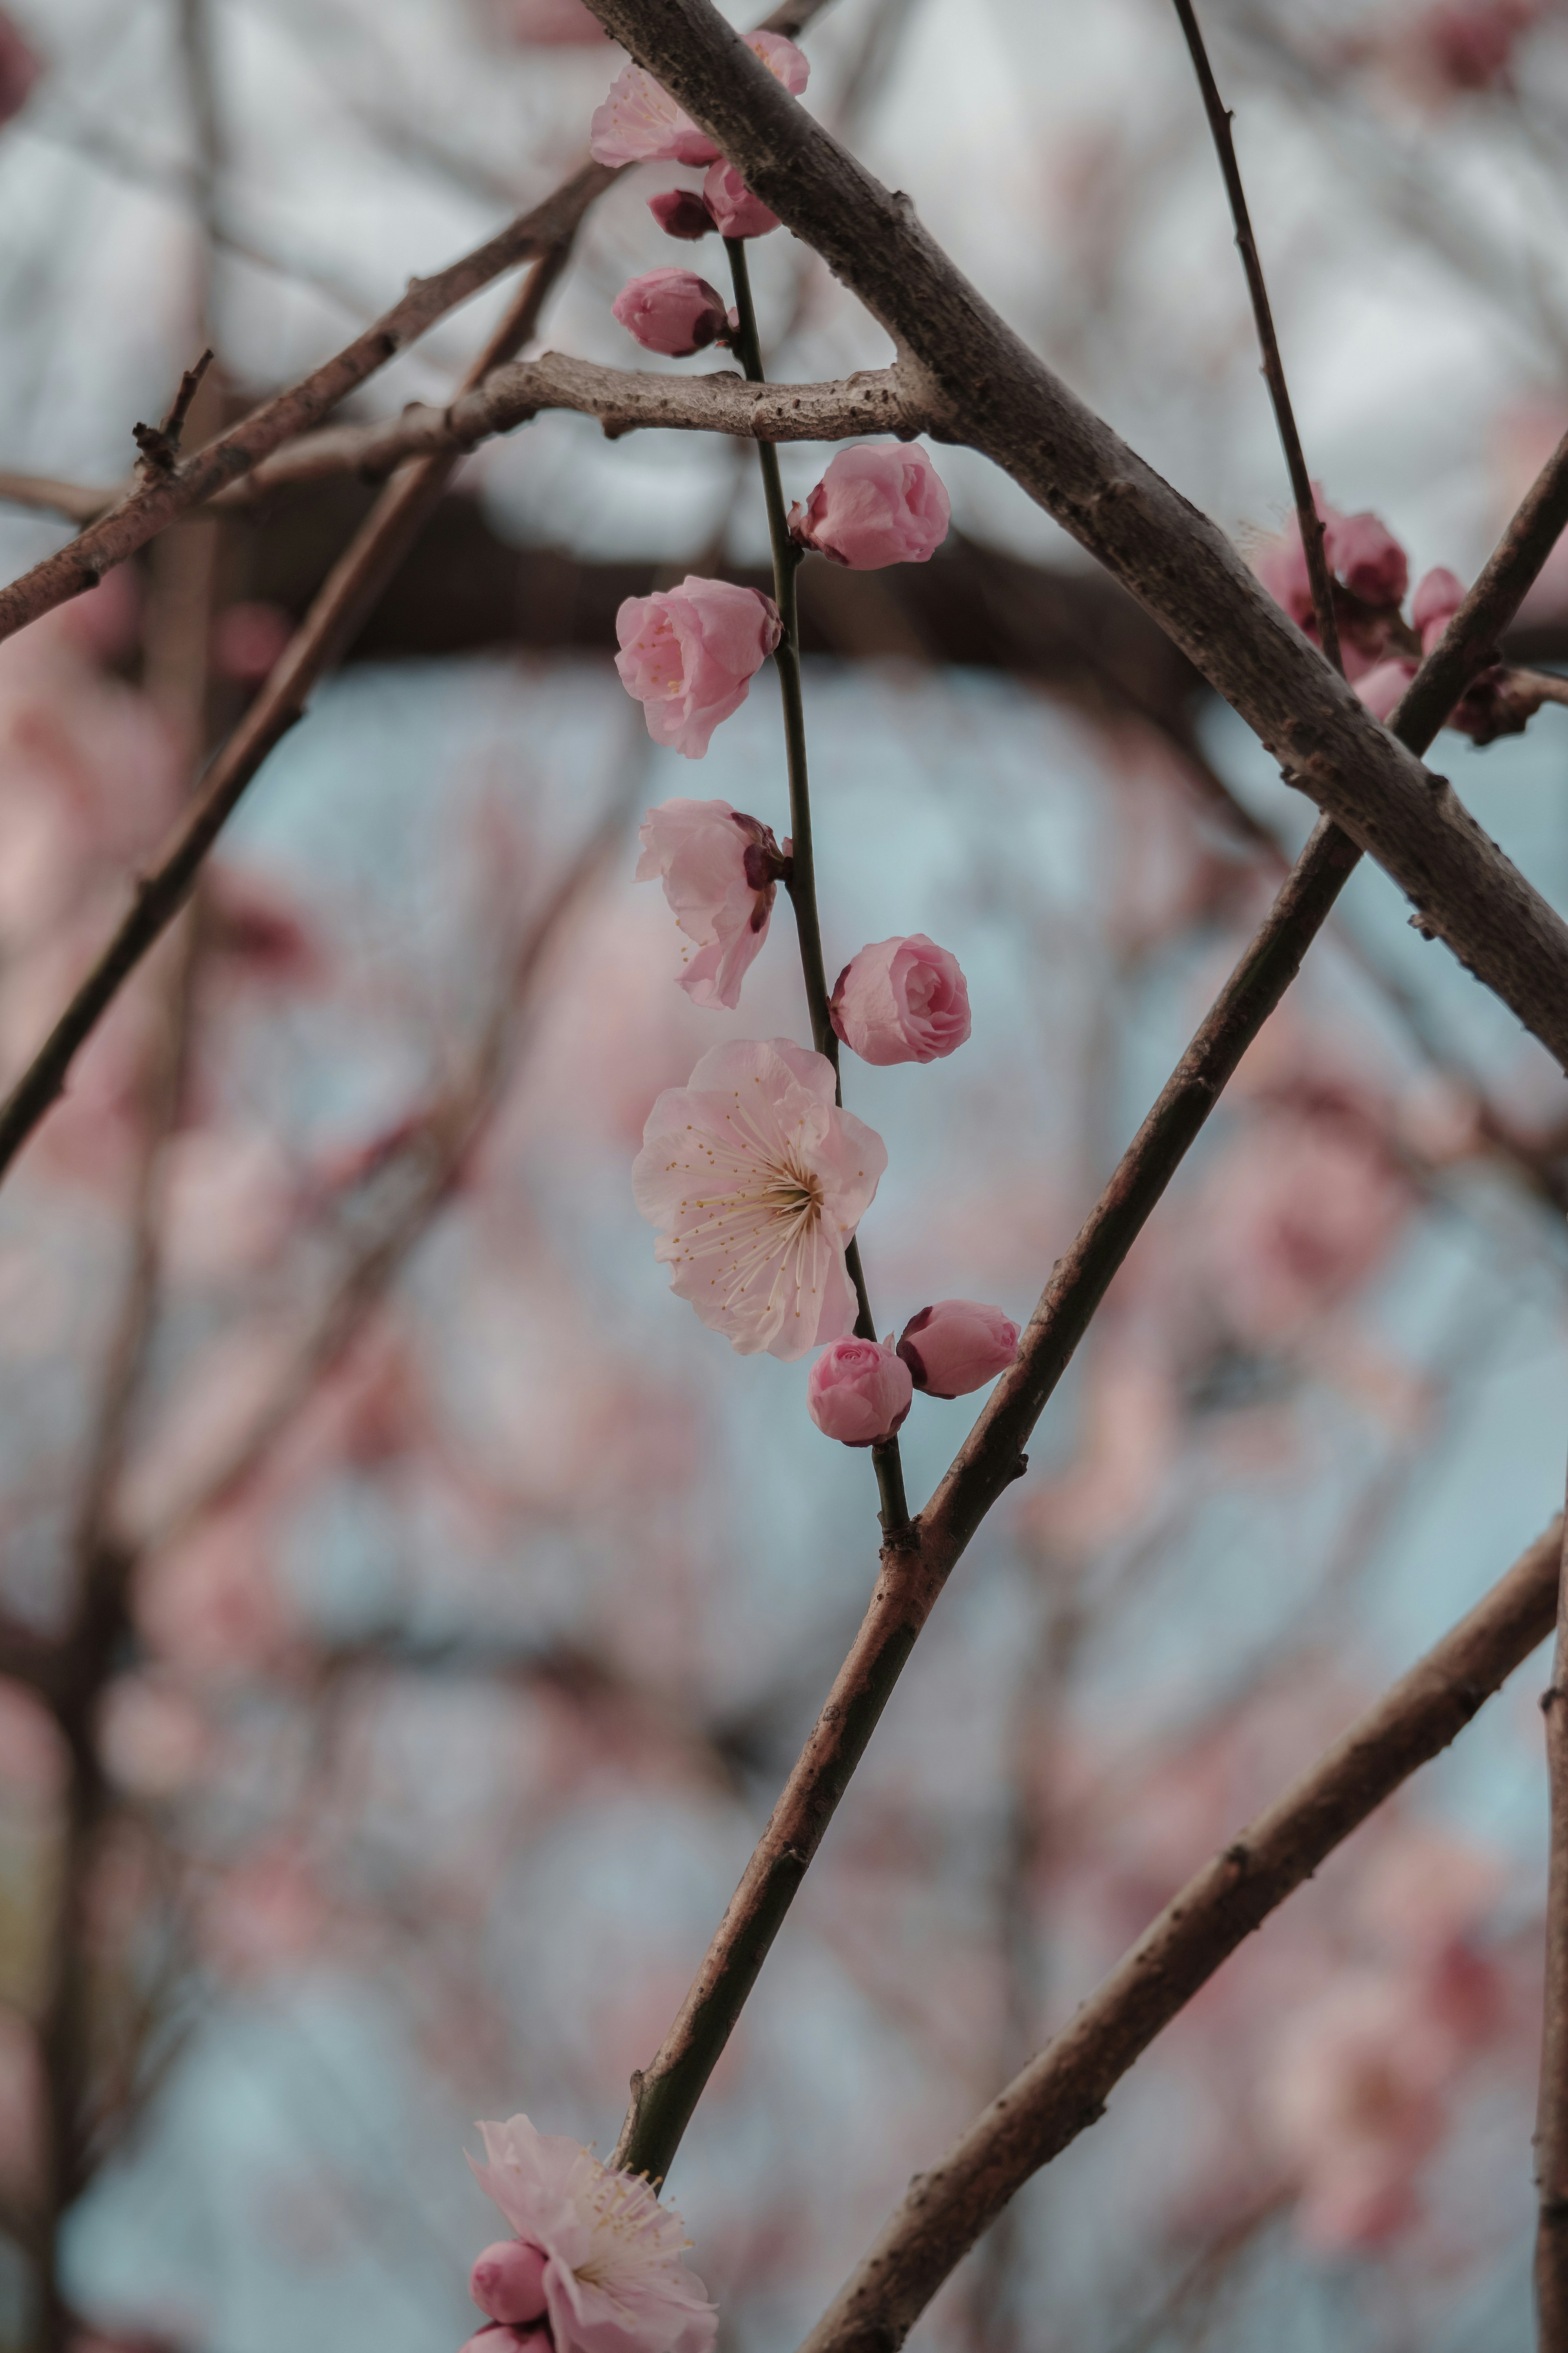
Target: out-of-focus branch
<point>1551,2106</point>
<point>1063,2090</point>
<point>1000,399</point>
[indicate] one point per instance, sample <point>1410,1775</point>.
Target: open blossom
<point>720,871</point>
<point>639,123</point>
<point>859,1392</point>
<point>672,311</point>
<point>757,1182</point>
<point>735,211</point>
<point>612,2276</point>
<point>688,655</point>
<point>957,1345</point>
<point>901,1001</point>
<point>1364,558</point>
<point>878,503</point>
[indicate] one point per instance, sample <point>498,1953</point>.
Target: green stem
<point>802,884</point>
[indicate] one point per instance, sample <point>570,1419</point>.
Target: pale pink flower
<point>757,1182</point>
<point>1438,596</point>
<point>957,1345</point>
<point>1363,554</point>
<point>735,212</point>
<point>901,1001</point>
<point>688,655</point>
<point>1382,687</point>
<point>507,2280</point>
<point>639,123</point>
<point>672,311</point>
<point>720,870</point>
<point>615,2281</point>
<point>859,1392</point>
<point>878,503</point>
<point>1281,566</point>
<point>782,59</point>
<point>681,212</point>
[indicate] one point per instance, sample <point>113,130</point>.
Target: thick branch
<point>998,396</point>
<point>1065,2088</point>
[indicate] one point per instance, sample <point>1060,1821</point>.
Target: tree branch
<point>1064,2089</point>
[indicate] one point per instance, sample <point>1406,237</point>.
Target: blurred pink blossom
<point>208,1605</point>
<point>757,1182</point>
<point>734,210</point>
<point>681,212</point>
<point>859,1391</point>
<point>688,656</point>
<point>672,311</point>
<point>901,1001</point>
<point>254,927</point>
<point>1364,555</point>
<point>507,2280</point>
<point>957,1345</point>
<point>267,1912</point>
<point>1438,596</point>
<point>551,24</point>
<point>247,639</point>
<point>1467,44</point>
<point>639,123</point>
<point>720,870</point>
<point>614,2277</point>
<point>152,1737</point>
<point>878,503</point>
<point>1382,689</point>
<point>226,1202</point>
<point>19,70</point>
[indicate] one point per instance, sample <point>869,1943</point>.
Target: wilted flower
<point>901,1001</point>
<point>720,870</point>
<point>957,1345</point>
<point>878,503</point>
<point>688,655</point>
<point>757,1182</point>
<point>859,1392</point>
<point>613,2277</point>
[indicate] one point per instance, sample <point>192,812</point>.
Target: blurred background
<point>444,1605</point>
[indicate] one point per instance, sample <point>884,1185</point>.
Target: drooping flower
<point>901,1001</point>
<point>878,503</point>
<point>639,123</point>
<point>957,1345</point>
<point>859,1392</point>
<point>688,655</point>
<point>757,1182</point>
<point>672,311</point>
<point>735,212</point>
<point>720,871</point>
<point>680,212</point>
<point>613,2276</point>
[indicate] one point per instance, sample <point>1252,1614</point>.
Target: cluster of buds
<point>724,202</point>
<point>860,1391</point>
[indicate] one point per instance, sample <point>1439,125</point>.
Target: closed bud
<point>680,212</point>
<point>508,2281</point>
<point>673,312</point>
<point>858,1392</point>
<point>957,1345</point>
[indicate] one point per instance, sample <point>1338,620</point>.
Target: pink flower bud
<point>901,1001</point>
<point>508,2281</point>
<point>876,505</point>
<point>859,1391</point>
<point>688,655</point>
<point>957,1345</point>
<point>1367,556</point>
<point>1438,596</point>
<point>680,212</point>
<point>496,2338</point>
<point>1382,689</point>
<point>736,212</point>
<point>671,311</point>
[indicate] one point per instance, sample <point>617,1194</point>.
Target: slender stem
<point>802,885</point>
<point>1308,518</point>
<point>1551,2111</point>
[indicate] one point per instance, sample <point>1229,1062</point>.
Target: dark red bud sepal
<point>911,1354</point>
<point>681,212</point>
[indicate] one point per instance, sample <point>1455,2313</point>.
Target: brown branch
<point>1064,2089</point>
<point>994,394</point>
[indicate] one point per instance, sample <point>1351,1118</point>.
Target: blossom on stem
<point>957,1345</point>
<point>612,2274</point>
<point>859,1392</point>
<point>877,503</point>
<point>1365,557</point>
<point>639,123</point>
<point>672,311</point>
<point>735,212</point>
<point>901,1001</point>
<point>720,871</point>
<point>680,212</point>
<point>757,1182</point>
<point>689,654</point>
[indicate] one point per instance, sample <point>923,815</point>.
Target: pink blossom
<point>1382,687</point>
<point>878,503</point>
<point>1438,596</point>
<point>1468,44</point>
<point>639,123</point>
<point>1281,566</point>
<point>901,1001</point>
<point>508,2281</point>
<point>957,1345</point>
<point>735,211</point>
<point>757,1182</point>
<point>720,870</point>
<point>614,2277</point>
<point>688,655</point>
<point>859,1392</point>
<point>1363,554</point>
<point>681,212</point>
<point>672,311</point>
<point>782,59</point>
<point>247,639</point>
